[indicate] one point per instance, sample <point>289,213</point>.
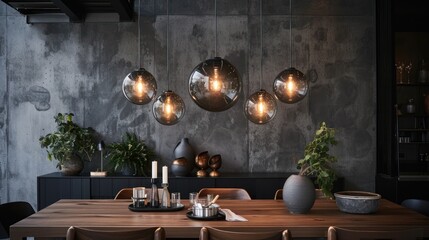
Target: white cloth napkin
<point>232,217</point>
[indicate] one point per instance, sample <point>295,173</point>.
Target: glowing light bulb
<point>215,83</point>
<point>261,105</point>
<point>290,86</point>
<point>139,87</point>
<point>168,108</point>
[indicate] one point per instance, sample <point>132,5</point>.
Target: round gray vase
<point>298,194</point>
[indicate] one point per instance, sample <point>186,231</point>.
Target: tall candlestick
<point>164,174</point>
<point>154,169</point>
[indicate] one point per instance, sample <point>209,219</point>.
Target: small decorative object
<point>100,173</point>
<point>423,72</point>
<point>298,190</point>
<point>184,149</point>
<point>165,197</point>
<point>215,162</point>
<point>202,162</point>
<point>357,201</point>
<point>408,68</point>
<point>70,144</point>
<point>180,167</point>
<point>154,199</point>
<point>139,197</point>
<point>411,107</point>
<point>131,156</point>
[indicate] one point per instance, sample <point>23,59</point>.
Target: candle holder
<point>165,197</point>
<point>154,200</point>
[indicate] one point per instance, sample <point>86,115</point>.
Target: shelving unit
<point>402,132</point>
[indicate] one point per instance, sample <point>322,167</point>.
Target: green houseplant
<point>317,160</point>
<point>131,156</point>
<point>70,144</point>
<point>298,191</point>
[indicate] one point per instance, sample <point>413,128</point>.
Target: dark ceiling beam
<point>71,8</point>
<point>123,8</point>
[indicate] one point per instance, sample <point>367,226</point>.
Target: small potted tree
<point>298,191</point>
<point>131,156</point>
<point>70,144</point>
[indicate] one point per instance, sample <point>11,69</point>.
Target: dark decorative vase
<point>72,166</point>
<point>180,167</point>
<point>299,194</point>
<point>184,150</point>
<point>127,170</point>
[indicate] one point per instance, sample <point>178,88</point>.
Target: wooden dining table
<point>268,215</point>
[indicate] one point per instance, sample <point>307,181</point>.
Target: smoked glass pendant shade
<point>214,85</point>
<point>290,86</point>
<point>260,107</point>
<point>168,108</point>
<point>139,87</point>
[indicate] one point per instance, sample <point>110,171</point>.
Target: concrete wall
<point>79,68</point>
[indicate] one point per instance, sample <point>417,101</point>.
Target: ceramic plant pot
<point>72,166</point>
<point>299,194</point>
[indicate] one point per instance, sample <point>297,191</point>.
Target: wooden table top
<point>54,220</point>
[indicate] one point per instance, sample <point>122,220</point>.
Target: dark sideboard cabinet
<point>53,187</point>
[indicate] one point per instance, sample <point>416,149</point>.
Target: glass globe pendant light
<point>168,107</point>
<point>139,87</point>
<point>290,85</point>
<point>261,106</point>
<point>215,84</point>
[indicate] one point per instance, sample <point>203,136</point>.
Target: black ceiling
<point>74,10</point>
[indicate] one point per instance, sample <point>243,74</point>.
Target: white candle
<point>154,169</point>
<point>164,174</point>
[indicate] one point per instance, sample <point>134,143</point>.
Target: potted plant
<point>70,144</point>
<point>298,191</point>
<point>131,156</point>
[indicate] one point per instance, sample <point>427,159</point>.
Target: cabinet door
<point>51,190</point>
<point>108,187</point>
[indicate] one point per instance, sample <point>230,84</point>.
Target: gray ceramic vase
<point>299,194</point>
<point>72,166</point>
<point>184,149</point>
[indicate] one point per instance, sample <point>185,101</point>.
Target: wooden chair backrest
<point>336,233</point>
<point>77,233</point>
<point>418,205</point>
<point>209,233</point>
<point>125,193</point>
<point>226,193</point>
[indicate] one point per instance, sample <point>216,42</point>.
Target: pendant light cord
<point>290,33</point>
<point>260,26</point>
<point>215,3</point>
<point>138,36</point>
<point>168,32</point>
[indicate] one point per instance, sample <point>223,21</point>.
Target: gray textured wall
<point>65,67</point>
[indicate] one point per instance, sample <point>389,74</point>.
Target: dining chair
<point>226,193</point>
<point>279,194</point>
<point>13,212</point>
<point>209,233</point>
<point>78,233</point>
<point>337,233</point>
<point>418,205</point>
<point>124,193</point>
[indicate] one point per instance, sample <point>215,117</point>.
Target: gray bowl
<point>357,201</point>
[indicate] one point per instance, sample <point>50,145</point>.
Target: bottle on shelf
<point>423,72</point>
